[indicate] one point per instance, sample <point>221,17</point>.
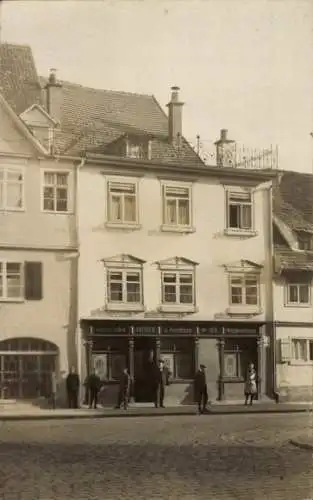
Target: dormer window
<point>140,150</point>
<point>305,241</point>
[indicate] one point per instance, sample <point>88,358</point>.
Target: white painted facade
<point>216,251</point>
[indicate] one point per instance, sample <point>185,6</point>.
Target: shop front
<point>225,348</point>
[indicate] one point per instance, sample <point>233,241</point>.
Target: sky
<point>243,65</point>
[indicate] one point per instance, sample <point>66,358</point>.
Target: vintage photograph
<point>156,249</point>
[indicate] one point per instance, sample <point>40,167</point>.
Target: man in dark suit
<point>201,390</point>
<point>93,387</point>
<point>124,390</point>
<point>162,380</point>
<point>72,388</point>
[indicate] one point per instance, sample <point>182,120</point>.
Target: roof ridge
<point>79,85</point>
<point>16,45</point>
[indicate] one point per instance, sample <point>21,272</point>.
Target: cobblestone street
<point>189,457</point>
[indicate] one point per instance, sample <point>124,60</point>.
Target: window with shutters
<point>11,188</point>
<point>11,281</point>
<point>239,209</point>
<point>122,203</point>
<point>302,350</point>
<point>55,191</point>
<point>177,207</point>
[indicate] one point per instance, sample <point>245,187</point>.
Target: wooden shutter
<point>33,280</point>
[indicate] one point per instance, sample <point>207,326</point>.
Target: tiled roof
<point>90,118</point>
<point>293,200</point>
<point>287,259</point>
<point>19,83</point>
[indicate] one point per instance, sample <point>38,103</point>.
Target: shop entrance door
<point>144,369</point>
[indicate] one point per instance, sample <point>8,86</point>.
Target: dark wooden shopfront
<point>182,345</point>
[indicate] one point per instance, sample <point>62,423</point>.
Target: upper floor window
<point>55,191</point>
<point>244,289</point>
<point>11,188</point>
<point>124,282</point>
<point>122,202</point>
<point>20,280</point>
<point>177,205</point>
<point>305,241</point>
<point>11,286</point>
<point>177,287</point>
<point>298,294</point>
<point>239,210</point>
<point>178,284</point>
<point>124,286</point>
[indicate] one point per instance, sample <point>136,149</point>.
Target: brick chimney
<point>54,96</point>
<point>175,109</point>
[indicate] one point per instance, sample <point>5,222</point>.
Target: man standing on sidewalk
<point>93,388</point>
<point>162,379</point>
<point>72,388</point>
<point>201,390</point>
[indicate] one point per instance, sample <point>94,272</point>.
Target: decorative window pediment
<point>177,262</point>
<point>123,260</point>
<point>243,266</point>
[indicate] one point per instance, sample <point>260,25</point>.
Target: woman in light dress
<point>250,384</point>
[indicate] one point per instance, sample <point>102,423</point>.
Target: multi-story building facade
<point>37,239</point>
<point>293,312</point>
<point>147,251</point>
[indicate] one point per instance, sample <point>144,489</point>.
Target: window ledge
<point>18,210</point>
<point>248,233</point>
<point>57,212</point>
<point>305,306</point>
<point>125,307</point>
<point>12,300</point>
<point>178,308</point>
<point>123,225</point>
<point>295,362</point>
<point>168,228</point>
<point>244,310</point>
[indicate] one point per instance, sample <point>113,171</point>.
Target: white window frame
<point>288,303</point>
<point>296,359</point>
<point>178,285</point>
<point>176,226</point>
<point>124,304</point>
<point>4,279</point>
<point>55,186</point>
<point>244,308</point>
<point>119,183</point>
<point>6,170</point>
<point>245,197</point>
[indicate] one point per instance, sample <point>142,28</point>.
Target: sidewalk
<point>36,413</point>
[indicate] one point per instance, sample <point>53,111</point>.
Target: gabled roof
<point>91,119</point>
<point>293,200</point>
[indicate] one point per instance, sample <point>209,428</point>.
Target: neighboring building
<point>175,257</point>
<point>293,239</point>
<point>37,238</point>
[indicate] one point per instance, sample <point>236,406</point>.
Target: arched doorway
<point>26,365</point>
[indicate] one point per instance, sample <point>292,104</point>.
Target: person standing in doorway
<point>124,390</point>
<point>54,389</point>
<point>93,388</point>
<point>201,389</point>
<point>250,384</point>
<point>162,380</point>
<point>72,388</point>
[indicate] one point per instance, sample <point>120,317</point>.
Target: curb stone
<point>131,413</point>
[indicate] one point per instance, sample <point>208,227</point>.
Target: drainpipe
<point>79,339</point>
<point>270,305</point>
